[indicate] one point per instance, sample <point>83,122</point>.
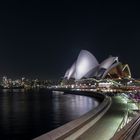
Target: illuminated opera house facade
<point>87,66</point>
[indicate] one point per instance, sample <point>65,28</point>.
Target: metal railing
<point>127,131</point>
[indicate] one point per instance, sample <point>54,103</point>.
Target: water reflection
<point>25,115</point>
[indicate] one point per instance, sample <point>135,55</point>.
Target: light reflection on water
<point>25,115</point>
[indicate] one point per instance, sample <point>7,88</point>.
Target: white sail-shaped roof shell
<point>87,66</point>
<point>108,62</point>
<point>66,74</point>
<point>71,73</point>
<point>111,67</point>
<point>105,66</point>
<point>85,62</point>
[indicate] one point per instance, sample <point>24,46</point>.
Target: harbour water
<point>26,115</point>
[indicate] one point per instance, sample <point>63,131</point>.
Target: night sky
<point>41,39</point>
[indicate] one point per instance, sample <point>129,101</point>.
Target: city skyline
<point>42,39</point>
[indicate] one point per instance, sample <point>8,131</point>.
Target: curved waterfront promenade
<point>108,125</point>
<point>78,127</point>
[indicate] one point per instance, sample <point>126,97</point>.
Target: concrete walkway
<point>105,128</point>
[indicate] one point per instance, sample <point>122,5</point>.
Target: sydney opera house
<point>87,66</point>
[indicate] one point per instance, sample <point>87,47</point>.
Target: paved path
<point>105,128</point>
